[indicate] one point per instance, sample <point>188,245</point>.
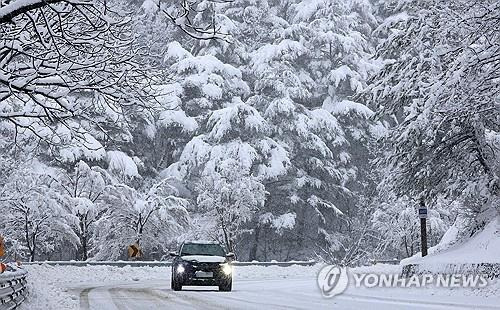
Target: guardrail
<point>161,264</point>
<point>102,263</point>
<point>281,264</point>
<point>13,290</point>
<point>393,261</point>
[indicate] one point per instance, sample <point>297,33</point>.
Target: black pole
<point>423,231</point>
<point>423,235</point>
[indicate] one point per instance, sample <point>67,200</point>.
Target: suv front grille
<point>206,266</point>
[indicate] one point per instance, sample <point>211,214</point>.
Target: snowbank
<point>11,272</point>
<point>483,248</point>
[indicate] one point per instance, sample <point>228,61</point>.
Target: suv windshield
<point>202,249</point>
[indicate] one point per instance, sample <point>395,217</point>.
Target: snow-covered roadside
<point>492,290</point>
<point>484,247</point>
<point>51,286</point>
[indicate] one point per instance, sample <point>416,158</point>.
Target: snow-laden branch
<point>16,8</point>
<point>61,60</point>
<point>182,17</point>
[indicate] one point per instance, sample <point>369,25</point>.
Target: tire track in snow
<point>84,298</point>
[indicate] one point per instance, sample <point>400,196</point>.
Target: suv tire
<point>176,286</point>
<point>226,286</point>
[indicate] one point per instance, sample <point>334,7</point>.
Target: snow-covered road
<point>269,294</point>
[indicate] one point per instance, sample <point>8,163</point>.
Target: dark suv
<point>202,263</point>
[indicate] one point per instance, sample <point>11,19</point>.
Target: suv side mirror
<point>173,254</point>
<point>230,255</point>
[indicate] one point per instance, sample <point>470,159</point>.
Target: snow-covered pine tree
<point>228,134</point>
<point>200,85</point>
<point>312,139</point>
<point>338,37</point>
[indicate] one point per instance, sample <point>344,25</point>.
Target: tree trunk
<point>84,248</point>
<point>33,249</point>
<point>30,241</point>
<point>253,250</point>
<point>406,247</point>
<point>227,240</point>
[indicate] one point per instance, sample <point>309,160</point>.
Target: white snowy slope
<point>255,287</point>
<point>484,247</point>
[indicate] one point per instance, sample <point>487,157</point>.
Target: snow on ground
<point>484,247</point>
<point>60,288</point>
<point>492,290</point>
<point>51,286</point>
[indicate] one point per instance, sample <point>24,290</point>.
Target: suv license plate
<point>203,274</point>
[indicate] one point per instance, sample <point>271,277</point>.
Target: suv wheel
<point>176,286</point>
<point>226,286</point>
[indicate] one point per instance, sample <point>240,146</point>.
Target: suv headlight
<point>227,269</point>
<point>180,269</point>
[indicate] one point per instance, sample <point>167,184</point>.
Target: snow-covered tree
<point>398,224</point>
<point>231,196</point>
<point>82,191</point>
<point>251,122</point>
<point>290,83</point>
<point>149,220</point>
<point>32,212</point>
<point>312,139</point>
<point>440,89</point>
<point>228,165</point>
<point>53,72</point>
<point>201,84</point>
